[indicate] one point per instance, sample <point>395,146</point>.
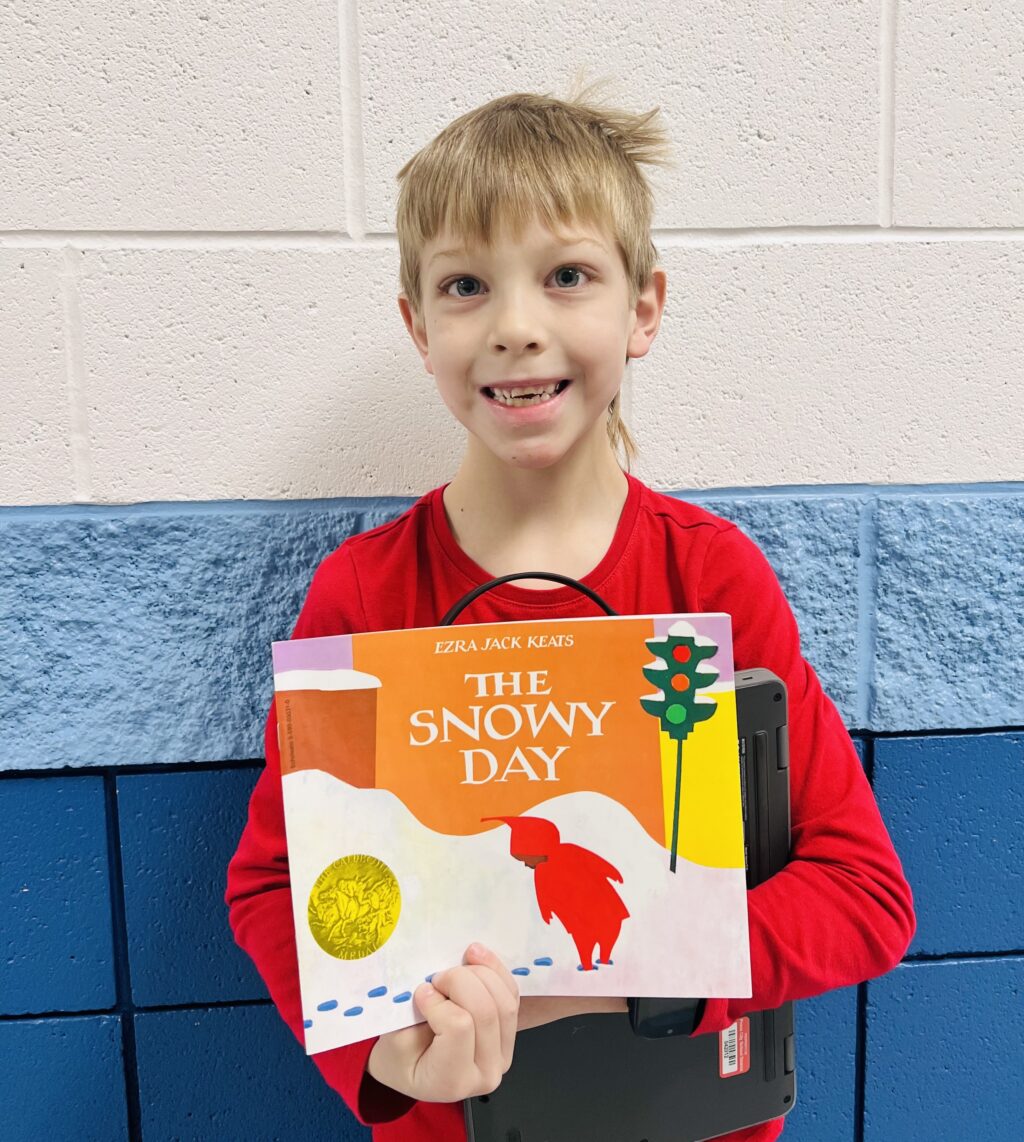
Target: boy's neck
<point>561,518</point>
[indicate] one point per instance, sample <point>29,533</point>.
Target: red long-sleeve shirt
<point>840,911</point>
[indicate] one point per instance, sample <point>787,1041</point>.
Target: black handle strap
<point>464,602</point>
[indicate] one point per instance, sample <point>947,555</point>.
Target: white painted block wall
<point>198,272</point>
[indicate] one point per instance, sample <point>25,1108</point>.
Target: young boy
<point>528,281</point>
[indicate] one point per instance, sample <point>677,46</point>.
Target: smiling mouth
<point>523,397</point>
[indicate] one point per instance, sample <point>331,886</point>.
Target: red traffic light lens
<point>681,654</point>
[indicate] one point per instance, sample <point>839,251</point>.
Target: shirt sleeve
<point>258,894</point>
<point>840,911</point>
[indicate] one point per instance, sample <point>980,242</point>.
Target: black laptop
<point>593,1078</point>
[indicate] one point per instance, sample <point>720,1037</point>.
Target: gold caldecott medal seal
<point>354,906</point>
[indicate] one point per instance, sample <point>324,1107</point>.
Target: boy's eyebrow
<point>571,241</point>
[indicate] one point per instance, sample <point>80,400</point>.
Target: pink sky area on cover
<point>334,652</point>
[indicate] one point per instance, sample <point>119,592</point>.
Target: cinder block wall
<point>209,386</point>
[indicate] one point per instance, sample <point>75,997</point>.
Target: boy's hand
<point>466,1045</point>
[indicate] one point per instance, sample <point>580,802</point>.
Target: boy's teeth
<point>524,397</point>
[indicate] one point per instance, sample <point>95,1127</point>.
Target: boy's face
<point>528,340</point>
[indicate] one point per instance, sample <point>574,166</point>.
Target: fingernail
<point>428,991</point>
<point>475,950</point>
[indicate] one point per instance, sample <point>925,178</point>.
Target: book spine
<point>285,733</point>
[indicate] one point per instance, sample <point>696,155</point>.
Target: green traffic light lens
<point>676,714</point>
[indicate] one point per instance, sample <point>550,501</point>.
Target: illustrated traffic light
<point>680,672</point>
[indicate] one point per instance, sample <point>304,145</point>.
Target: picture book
<point>565,792</point>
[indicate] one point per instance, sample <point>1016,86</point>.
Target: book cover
<point>566,792</point>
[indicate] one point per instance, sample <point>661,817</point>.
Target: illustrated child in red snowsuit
<point>572,884</point>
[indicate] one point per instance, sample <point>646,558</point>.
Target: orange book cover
<point>566,792</point>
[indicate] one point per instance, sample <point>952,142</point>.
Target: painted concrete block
<point>958,114</point>
<point>178,832</point>
<point>132,119</point>
<point>233,1074</point>
<point>282,374</point>
<point>37,461</point>
<point>813,545</point>
<point>944,1051</point>
<point>63,1080</point>
<point>949,649</point>
<point>148,630</point>
<point>742,153</point>
<point>56,941</point>
<point>781,363</point>
<point>826,1065</point>
<point>954,807</point>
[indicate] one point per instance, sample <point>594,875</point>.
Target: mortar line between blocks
<point>74,373</point>
<point>860,1063</point>
<point>867,610</point>
<point>918,959</point>
<point>326,239</point>
<point>886,111</point>
<point>122,967</point>
<point>395,503</point>
<point>352,118</point>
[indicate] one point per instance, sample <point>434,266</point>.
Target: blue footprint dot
<point>354,1011</point>
<point>377,991</point>
<point>307,1023</point>
<point>520,971</point>
<point>404,997</point>
<point>543,962</point>
<point>330,1005</point>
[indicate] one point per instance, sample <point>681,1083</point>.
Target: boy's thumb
<point>434,1006</point>
<point>428,998</point>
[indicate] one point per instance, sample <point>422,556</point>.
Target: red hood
<point>531,836</point>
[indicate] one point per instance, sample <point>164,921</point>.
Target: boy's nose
<point>515,331</point>
<point>516,345</point>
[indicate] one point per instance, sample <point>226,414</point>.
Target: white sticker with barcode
<point>734,1049</point>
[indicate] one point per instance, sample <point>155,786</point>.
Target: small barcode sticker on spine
<point>734,1049</point>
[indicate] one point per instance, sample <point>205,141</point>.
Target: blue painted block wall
<point>135,667</point>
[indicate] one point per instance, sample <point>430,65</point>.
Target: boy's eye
<point>571,270</point>
<point>458,282</point>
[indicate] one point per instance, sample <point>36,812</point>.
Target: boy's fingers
<point>478,954</point>
<point>508,1010</point>
<point>469,991</point>
<point>493,968</point>
<point>453,1049</point>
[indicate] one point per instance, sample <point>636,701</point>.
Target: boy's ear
<point>416,330</point>
<point>647,315</point>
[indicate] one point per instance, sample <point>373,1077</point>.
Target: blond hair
<point>527,156</point>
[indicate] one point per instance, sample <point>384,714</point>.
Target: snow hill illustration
<point>414,898</point>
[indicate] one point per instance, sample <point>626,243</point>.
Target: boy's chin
<point>542,453</point>
<point>547,454</point>
<point>535,459</point>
